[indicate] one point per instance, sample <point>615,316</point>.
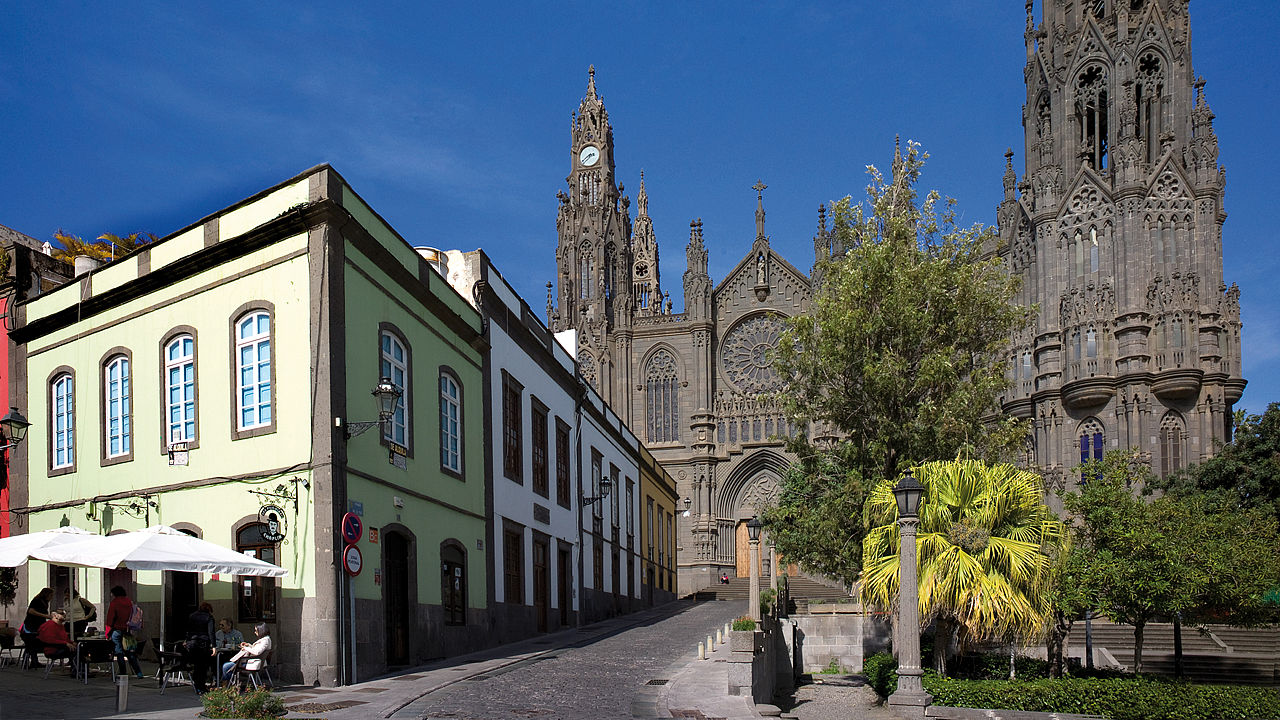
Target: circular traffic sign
<point>352,528</point>
<point>352,560</point>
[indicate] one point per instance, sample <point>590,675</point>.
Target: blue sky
<point>452,119</point>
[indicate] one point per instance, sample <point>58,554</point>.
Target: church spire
<point>642,198</point>
<point>591,81</point>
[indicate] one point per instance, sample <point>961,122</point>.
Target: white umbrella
<point>157,548</point>
<point>17,549</point>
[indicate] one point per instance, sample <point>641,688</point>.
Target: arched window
<point>1093,250</point>
<point>450,423</point>
<point>662,392</point>
<point>610,270</point>
<point>1091,343</point>
<point>116,397</point>
<point>1148,95</point>
<point>1092,108</point>
<point>63,425</point>
<point>257,593</point>
<point>453,583</point>
<point>1171,450</point>
<point>584,271</point>
<point>254,397</point>
<point>180,389</point>
<point>1092,440</point>
<point>395,365</point>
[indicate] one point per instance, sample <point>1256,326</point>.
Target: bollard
<point>122,693</point>
<point>719,637</point>
<point>702,652</point>
<point>710,648</point>
<point>726,629</point>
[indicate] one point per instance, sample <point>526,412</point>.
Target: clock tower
<point>594,257</point>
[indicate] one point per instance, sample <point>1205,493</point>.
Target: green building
<point>215,381</point>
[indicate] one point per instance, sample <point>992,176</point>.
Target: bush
<point>744,623</point>
<point>230,702</point>
<point>881,671</point>
<point>1118,699</point>
<point>996,667</point>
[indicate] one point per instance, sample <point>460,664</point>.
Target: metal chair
<point>7,646</point>
<point>173,667</point>
<point>99,653</point>
<point>258,677</point>
<point>31,646</point>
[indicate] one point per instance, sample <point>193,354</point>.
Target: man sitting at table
<point>57,644</point>
<point>252,653</point>
<point>227,637</point>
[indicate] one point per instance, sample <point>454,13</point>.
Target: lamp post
<point>753,593</point>
<point>14,427</point>
<point>388,396</point>
<point>910,699</point>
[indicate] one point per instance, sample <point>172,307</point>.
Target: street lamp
<point>388,396</point>
<point>606,484</point>
<point>910,699</point>
<point>753,593</point>
<point>15,428</point>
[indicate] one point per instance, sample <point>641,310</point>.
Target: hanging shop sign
<point>273,517</point>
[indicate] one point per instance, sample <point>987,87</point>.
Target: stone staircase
<point>1220,655</point>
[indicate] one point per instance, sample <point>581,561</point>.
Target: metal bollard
<point>702,652</point>
<point>122,693</point>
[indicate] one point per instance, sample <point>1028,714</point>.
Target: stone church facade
<point>1115,228</point>
<point>689,384</point>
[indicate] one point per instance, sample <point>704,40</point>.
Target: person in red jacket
<point>53,635</point>
<point>117,624</point>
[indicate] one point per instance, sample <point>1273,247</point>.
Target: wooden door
<point>565,579</point>
<point>541,582</point>
<point>742,552</point>
<point>395,594</point>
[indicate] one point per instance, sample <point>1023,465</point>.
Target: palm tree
<point>108,248</point>
<point>120,246</point>
<point>985,547</point>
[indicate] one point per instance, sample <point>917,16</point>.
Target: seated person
<point>57,644</point>
<point>252,654</point>
<point>227,637</point>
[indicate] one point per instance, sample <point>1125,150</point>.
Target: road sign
<point>352,528</point>
<point>352,560</point>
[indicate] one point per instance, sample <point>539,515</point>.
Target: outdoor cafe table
<point>93,650</point>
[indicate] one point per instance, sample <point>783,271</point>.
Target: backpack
<point>135,619</point>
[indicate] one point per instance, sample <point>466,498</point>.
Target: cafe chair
<point>7,646</point>
<point>173,668</point>
<point>30,650</point>
<point>258,678</point>
<point>50,662</point>
<point>96,654</point>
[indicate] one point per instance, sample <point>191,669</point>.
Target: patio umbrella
<point>15,550</point>
<point>157,548</point>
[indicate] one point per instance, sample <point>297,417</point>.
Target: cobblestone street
<point>598,679</point>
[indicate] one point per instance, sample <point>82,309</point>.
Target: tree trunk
<point>1177,645</point>
<point>1137,646</point>
<point>942,631</point>
<point>1056,645</point>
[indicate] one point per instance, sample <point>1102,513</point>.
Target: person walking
<point>117,627</point>
<point>199,646</point>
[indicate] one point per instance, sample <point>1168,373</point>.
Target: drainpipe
<point>577,430</point>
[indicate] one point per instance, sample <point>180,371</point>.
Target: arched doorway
<point>183,589</point>
<point>395,596</point>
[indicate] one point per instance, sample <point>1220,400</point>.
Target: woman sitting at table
<point>252,654</point>
<point>57,644</point>
<point>227,637</point>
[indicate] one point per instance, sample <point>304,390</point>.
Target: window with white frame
<point>450,423</point>
<point>180,389</point>
<point>395,365</point>
<point>253,370</point>
<point>63,425</point>
<point>118,419</point>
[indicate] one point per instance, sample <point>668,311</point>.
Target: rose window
<point>747,354</point>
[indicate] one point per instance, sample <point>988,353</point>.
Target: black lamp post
<point>606,484</point>
<point>910,699</point>
<point>15,428</point>
<point>753,594</point>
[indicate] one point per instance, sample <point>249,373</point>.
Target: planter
<point>748,641</point>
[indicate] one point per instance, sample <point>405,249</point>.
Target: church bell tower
<point>594,257</point>
<point>1115,228</point>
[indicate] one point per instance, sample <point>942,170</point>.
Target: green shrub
<point>881,671</point>
<point>996,667</point>
<point>1118,699</point>
<point>229,702</point>
<point>767,597</point>
<point>744,623</point>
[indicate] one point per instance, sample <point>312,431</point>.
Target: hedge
<point>1116,698</point>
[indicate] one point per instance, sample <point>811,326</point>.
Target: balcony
<point>1177,383</point>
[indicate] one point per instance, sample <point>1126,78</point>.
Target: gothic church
<point>1115,228</point>
<point>688,383</point>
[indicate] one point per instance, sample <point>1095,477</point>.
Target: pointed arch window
<point>584,272</point>
<point>662,392</point>
<point>1148,96</point>
<point>1091,343</point>
<point>1092,109</point>
<point>610,270</point>
<point>1172,453</point>
<point>1092,440</point>
<point>1093,250</point>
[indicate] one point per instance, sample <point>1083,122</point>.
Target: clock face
<point>589,156</point>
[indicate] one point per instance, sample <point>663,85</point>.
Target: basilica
<point>1114,227</point>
